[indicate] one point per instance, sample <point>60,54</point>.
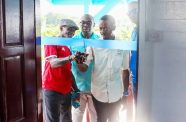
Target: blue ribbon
<point>111,44</point>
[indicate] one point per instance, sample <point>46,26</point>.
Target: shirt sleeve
<point>125,64</point>
<point>50,51</point>
<point>89,51</point>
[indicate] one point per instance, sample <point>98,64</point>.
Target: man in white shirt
<point>109,83</point>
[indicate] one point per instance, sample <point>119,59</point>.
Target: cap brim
<point>75,27</point>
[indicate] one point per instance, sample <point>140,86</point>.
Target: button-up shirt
<point>107,85</point>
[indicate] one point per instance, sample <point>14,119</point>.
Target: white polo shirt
<point>107,85</point>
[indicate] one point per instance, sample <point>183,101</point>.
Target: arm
<point>125,72</point>
<point>51,56</point>
<point>125,79</point>
<point>83,67</point>
<point>56,62</point>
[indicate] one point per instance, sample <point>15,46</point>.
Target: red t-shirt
<point>57,79</point>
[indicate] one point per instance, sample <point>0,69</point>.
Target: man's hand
<point>80,57</point>
<point>75,99</point>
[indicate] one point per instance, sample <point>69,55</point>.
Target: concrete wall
<point>162,61</point>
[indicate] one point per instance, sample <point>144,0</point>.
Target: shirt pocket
<point>117,60</point>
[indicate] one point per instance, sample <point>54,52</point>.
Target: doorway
<point>55,10</point>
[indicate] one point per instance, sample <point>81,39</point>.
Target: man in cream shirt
<point>109,83</point>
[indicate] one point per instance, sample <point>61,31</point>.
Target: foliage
<point>49,26</point>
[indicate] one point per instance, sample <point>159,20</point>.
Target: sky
<point>117,11</point>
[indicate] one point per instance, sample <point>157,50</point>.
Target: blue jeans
<point>57,106</point>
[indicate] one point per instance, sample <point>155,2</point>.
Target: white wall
<point>162,61</point>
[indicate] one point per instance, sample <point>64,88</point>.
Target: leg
<point>51,106</point>
<point>91,109</point>
<point>113,110</point>
<point>101,109</point>
<point>65,108</point>
<point>77,113</point>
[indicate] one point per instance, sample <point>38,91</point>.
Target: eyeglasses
<point>86,22</point>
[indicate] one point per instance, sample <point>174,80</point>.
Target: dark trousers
<point>107,111</point>
<point>56,106</point>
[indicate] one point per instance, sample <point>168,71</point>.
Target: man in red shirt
<point>57,79</point>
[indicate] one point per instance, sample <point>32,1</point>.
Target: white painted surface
<point>162,61</point>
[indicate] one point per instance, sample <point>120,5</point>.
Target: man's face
<point>105,29</point>
<point>67,32</point>
<point>86,24</point>
<point>133,12</point>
